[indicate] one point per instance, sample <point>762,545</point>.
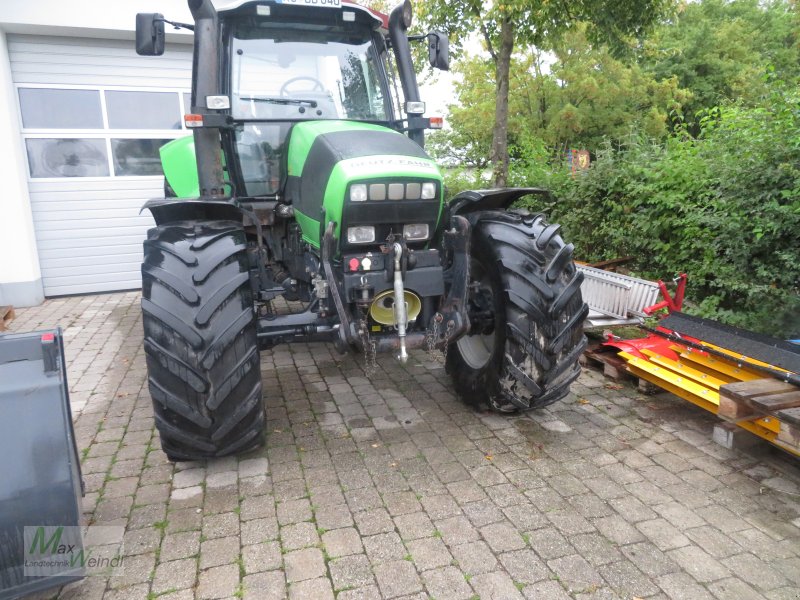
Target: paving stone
<point>294,511</point>
<point>311,589</point>
<point>218,582</point>
<point>220,551</point>
<point>699,564</point>
<point>441,506</point>
<point>261,557</point>
<point>259,530</point>
<point>627,581</point>
<point>350,571</point>
<point>376,520</point>
<point>495,586</point>
<point>184,519</point>
<point>502,537</point>
<point>447,582</point>
<point>220,525</point>
<point>342,542</point>
<point>401,503</point>
<point>681,586</point>
<point>414,525</point>
<point>549,543</point>
<point>618,530</point>
<point>269,585</point>
<point>304,564</point>
<point>474,558</point>
<point>733,588</point>
<point>680,516</point>
<point>333,517</point>
<point>524,566</point>
<point>259,507</point>
<point>428,553</point>
<point>140,541</point>
<point>753,570</point>
<point>180,545</point>
<point>575,572</point>
<point>663,534</point>
<point>397,578</point>
<point>456,530</point>
<point>384,547</point>
<point>368,592</point>
<point>596,549</point>
<point>650,559</point>
<point>482,513</point>
<point>175,574</point>
<point>551,590</point>
<point>713,541</point>
<point>299,535</point>
<point>253,467</point>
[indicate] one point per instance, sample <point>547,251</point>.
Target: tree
<point>587,97</point>
<point>511,24</point>
<point>721,50</point>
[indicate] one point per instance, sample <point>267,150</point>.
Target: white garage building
<point>83,117</point>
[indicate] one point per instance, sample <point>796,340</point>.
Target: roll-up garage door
<point>93,115</point>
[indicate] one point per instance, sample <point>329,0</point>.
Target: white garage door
<point>93,115</point>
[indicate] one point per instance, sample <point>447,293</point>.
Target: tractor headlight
<point>416,232</point>
<point>360,235</point>
<point>428,190</point>
<point>377,191</point>
<point>397,191</point>
<point>358,192</point>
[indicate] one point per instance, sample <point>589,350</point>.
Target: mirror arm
<point>175,24</point>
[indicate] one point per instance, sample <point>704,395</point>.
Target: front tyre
<point>200,340</point>
<point>526,313</point>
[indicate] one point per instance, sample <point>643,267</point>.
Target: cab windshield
<point>281,72</point>
<point>285,72</point>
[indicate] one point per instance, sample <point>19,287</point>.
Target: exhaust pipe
<point>205,82</point>
<point>400,312</point>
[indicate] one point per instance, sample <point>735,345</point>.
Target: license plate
<point>313,3</point>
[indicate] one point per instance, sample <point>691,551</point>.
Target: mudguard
<point>494,199</point>
<point>40,471</point>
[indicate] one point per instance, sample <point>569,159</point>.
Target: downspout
<point>206,71</point>
<point>399,21</point>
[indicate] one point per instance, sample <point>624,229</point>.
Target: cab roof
<point>225,6</point>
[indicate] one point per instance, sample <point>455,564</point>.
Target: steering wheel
<point>317,85</point>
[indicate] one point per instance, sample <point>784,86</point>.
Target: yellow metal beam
<point>677,384</point>
<point>700,377</point>
<point>720,365</point>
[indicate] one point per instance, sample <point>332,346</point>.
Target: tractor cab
<point>264,66</point>
<point>291,64</point>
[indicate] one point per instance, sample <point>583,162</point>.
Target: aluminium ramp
<point>615,299</point>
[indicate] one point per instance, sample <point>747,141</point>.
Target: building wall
<point>20,275</point>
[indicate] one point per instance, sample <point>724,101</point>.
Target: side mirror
<point>439,50</point>
<point>149,34</point>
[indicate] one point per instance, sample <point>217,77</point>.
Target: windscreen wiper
<point>274,100</point>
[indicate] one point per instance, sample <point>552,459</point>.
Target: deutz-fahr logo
<point>53,550</point>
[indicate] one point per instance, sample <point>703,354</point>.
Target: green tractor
<point>304,208</point>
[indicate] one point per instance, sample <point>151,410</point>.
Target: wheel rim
<point>477,349</point>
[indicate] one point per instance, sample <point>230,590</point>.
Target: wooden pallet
<point>765,399</point>
<point>614,367</point>
<point>6,316</point>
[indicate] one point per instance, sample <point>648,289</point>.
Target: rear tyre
<point>527,315</point>
<point>200,340</point>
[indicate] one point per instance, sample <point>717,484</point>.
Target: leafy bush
<point>724,208</point>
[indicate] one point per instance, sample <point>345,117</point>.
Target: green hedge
<point>724,208</point>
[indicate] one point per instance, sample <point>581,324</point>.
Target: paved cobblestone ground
<point>389,487</point>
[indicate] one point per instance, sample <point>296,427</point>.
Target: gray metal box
<point>40,477</point>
